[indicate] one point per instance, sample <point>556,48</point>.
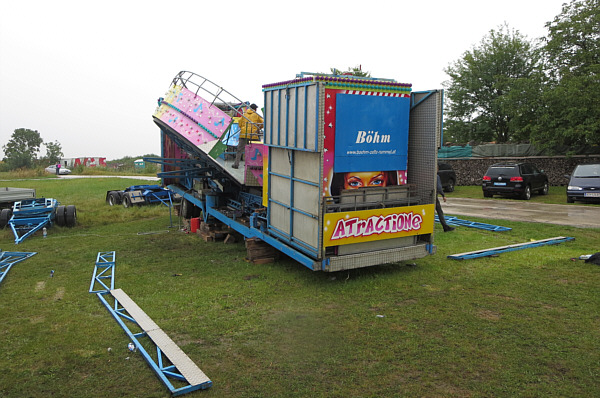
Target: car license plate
<point>592,194</point>
<point>500,184</point>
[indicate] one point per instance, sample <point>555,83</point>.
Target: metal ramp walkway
<point>509,248</point>
<point>450,220</point>
<point>178,358</point>
<point>169,362</point>
<point>8,259</point>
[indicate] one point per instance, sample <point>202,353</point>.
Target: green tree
<point>570,115</point>
<point>488,89</point>
<point>53,152</point>
<point>355,71</point>
<point>22,149</point>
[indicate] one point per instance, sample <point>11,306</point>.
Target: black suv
<point>515,179</point>
<point>448,176</point>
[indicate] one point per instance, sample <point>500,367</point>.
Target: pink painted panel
<point>193,117</point>
<point>254,163</point>
<point>254,154</point>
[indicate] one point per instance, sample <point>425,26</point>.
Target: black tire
<point>126,201</point>
<point>70,216</point>
<point>545,189</point>
<point>570,199</point>
<point>187,209</point>
<point>450,187</point>
<point>488,194</point>
<point>5,216</point>
<point>59,216</point>
<point>526,193</point>
<point>114,198</point>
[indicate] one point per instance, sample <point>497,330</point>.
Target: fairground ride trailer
<point>342,176</point>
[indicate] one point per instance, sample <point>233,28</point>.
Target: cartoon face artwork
<point>363,179</point>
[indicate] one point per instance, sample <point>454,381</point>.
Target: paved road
<point>134,177</point>
<point>522,210</point>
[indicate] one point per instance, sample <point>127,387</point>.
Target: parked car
<point>52,169</point>
<point>514,179</point>
<point>584,183</point>
<point>448,176</point>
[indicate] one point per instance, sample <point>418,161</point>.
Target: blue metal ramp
<point>169,363</point>
<point>450,220</point>
<point>504,249</point>
<point>8,259</point>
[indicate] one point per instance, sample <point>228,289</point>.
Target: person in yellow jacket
<point>250,124</point>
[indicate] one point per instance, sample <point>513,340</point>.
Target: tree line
<point>545,91</point>
<point>22,151</point>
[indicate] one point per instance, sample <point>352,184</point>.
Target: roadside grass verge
<point>38,172</point>
<point>525,323</point>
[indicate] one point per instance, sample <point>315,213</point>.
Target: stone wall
<point>470,171</point>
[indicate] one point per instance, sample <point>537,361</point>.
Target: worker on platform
<point>250,125</point>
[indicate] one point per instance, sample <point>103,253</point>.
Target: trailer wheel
<point>187,209</point>
<point>126,201</point>
<point>113,198</point>
<point>450,187</point>
<point>60,216</point>
<point>5,216</point>
<point>70,216</point>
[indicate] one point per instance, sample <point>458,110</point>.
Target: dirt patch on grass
<point>40,286</point>
<point>406,302</point>
<point>60,293</point>
<point>489,315</point>
<point>569,281</point>
<point>503,297</point>
<point>183,339</point>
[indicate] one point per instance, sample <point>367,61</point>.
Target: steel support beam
<point>509,248</point>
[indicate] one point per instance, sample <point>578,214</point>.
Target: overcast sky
<point>88,73</point>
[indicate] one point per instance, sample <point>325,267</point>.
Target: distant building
<point>139,164</point>
<point>88,162</point>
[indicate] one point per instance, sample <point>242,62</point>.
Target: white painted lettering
<point>372,137</point>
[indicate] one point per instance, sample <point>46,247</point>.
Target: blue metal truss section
<point>166,372</point>
<point>189,170</point>
<point>509,248</point>
<point>472,224</point>
<point>8,259</point>
<point>103,271</point>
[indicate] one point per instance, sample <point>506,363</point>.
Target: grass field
<point>523,324</point>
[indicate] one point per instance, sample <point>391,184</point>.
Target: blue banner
<point>371,133</point>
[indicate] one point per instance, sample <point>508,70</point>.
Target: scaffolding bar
<point>8,259</point>
<point>450,220</point>
<point>503,249</point>
<point>104,270</point>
